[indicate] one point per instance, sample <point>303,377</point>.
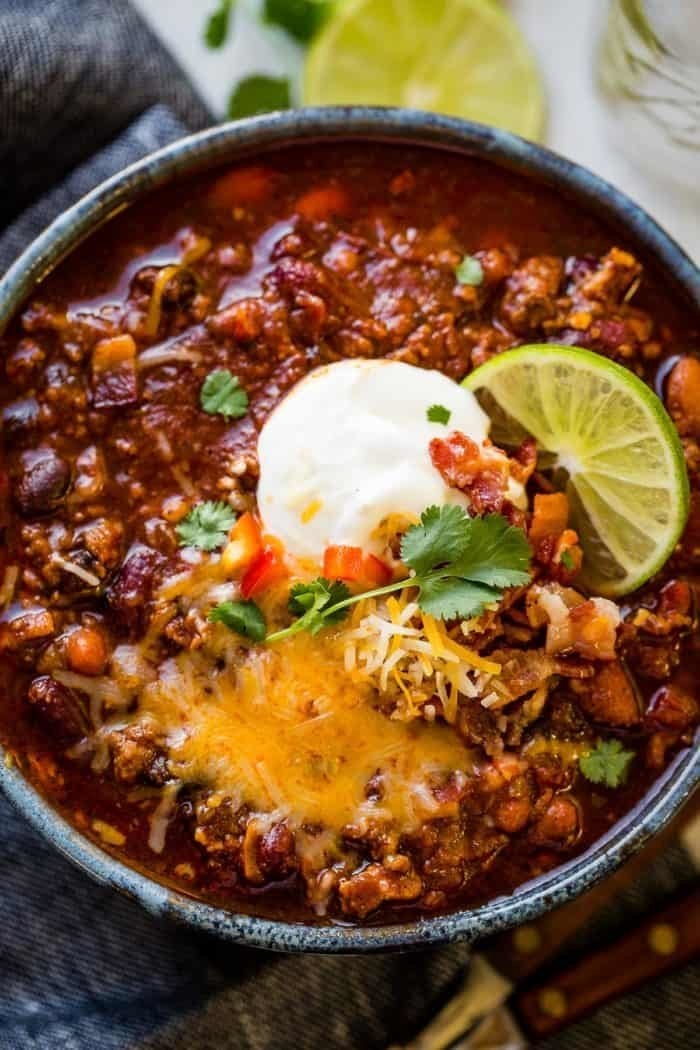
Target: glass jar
<point>649,75</point>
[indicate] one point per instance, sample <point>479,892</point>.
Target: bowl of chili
<point>383,203</point>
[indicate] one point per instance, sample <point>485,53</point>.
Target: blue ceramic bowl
<point>250,138</point>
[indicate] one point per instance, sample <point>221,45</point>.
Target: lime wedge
<point>609,444</point>
<point>466,58</point>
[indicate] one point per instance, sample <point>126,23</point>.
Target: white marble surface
<point>563,34</point>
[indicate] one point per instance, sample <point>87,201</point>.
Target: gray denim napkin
<point>82,968</point>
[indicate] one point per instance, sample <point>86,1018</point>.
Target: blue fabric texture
<point>84,90</point>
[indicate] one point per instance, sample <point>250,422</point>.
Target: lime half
<point>609,443</point>
<point>466,58</point>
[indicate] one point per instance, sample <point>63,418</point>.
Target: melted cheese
<point>288,730</point>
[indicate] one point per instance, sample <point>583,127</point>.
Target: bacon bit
<point>481,473</point>
<point>673,611</point>
<point>322,203</point>
<point>523,463</point>
<point>593,629</point>
<point>562,556</point>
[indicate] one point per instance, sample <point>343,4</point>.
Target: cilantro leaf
<point>300,18</point>
<point>217,25</point>
<point>498,553</point>
<point>206,526</point>
<point>441,537</point>
<point>244,618</point>
<point>469,271</point>
<point>438,414</point>
<point>259,94</point>
<point>222,395</point>
<point>607,764</point>
<point>448,599</point>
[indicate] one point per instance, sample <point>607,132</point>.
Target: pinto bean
<point>42,482</point>
<point>559,824</point>
<point>512,814</point>
<point>86,651</point>
<point>683,396</point>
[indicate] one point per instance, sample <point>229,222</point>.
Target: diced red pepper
<point>375,572</point>
<point>350,564</point>
<point>245,543</point>
<point>343,563</point>
<point>268,568</point>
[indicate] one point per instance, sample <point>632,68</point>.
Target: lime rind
<point>466,58</point>
<point>620,450</point>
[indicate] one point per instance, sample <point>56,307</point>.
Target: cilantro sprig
<point>244,617</point>
<point>607,764</point>
<point>458,565</point>
<point>206,526</point>
<point>223,395</point>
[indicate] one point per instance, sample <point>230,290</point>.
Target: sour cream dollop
<point>349,446</point>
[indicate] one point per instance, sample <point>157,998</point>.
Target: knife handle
<point>661,943</point>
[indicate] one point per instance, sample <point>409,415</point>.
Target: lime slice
<point>609,443</point>
<point>463,57</point>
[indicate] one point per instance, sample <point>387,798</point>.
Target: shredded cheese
<point>161,817</point>
<point>76,570</point>
<point>409,656</point>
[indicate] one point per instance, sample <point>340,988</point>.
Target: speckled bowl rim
<point>250,137</point>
